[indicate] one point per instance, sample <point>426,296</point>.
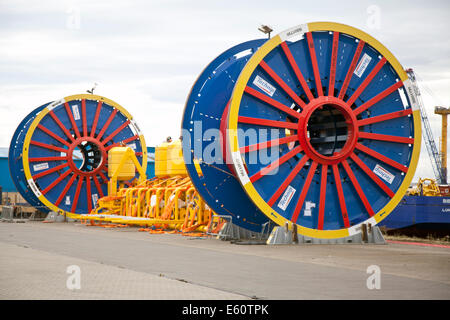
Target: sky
<point>146,55</point>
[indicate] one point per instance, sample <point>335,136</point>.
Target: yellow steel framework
<point>444,112</point>
<point>425,187</point>
<point>165,202</point>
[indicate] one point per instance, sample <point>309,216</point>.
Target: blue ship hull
<point>420,210</point>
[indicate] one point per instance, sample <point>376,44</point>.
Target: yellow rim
<point>38,119</point>
<point>233,122</point>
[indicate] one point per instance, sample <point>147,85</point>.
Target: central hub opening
<point>90,154</point>
<point>86,156</point>
<point>327,130</point>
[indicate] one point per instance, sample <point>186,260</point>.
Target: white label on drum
<point>239,166</point>
<point>132,146</point>
<point>76,112</point>
<point>94,198</point>
<point>383,174</point>
<point>67,200</point>
<point>362,65</point>
<point>308,208</point>
<point>286,198</point>
<point>264,85</point>
<point>40,166</point>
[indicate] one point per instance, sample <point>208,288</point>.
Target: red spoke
<point>351,69</point>
<point>381,157</point>
<point>301,199</point>
<point>268,144</point>
<point>72,121</point>
<point>366,81</point>
<point>53,135</point>
<point>124,141</point>
<point>99,187</point>
<point>378,97</point>
<point>59,123</point>
<point>272,102</point>
<point>112,135</point>
<point>358,188</point>
<point>323,192</point>
<point>268,123</point>
<point>288,180</point>
<point>64,192</point>
<point>340,192</point>
<point>77,194</point>
<point>54,183</point>
<point>97,114</point>
<point>47,146</point>
<point>282,84</point>
<point>385,137</point>
<point>88,194</point>
<point>104,178</point>
<point>297,71</point>
<point>264,171</point>
<point>372,175</point>
<point>333,62</point>
<point>384,117</point>
<point>42,159</point>
<point>312,53</point>
<point>83,115</point>
<point>106,125</point>
<point>46,172</point>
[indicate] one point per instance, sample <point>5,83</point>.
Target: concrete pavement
<point>124,263</point>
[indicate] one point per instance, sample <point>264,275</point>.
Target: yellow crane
<point>443,112</point>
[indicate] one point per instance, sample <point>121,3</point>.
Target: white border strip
<point>298,30</point>
<point>55,103</point>
<point>34,188</point>
<point>135,126</point>
<point>239,166</point>
<point>357,228</point>
<point>412,95</point>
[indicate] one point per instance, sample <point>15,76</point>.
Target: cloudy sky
<point>146,55</point>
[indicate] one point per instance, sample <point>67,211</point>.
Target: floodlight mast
<point>265,29</point>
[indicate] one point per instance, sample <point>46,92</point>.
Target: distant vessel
<point>426,209</point>
<point>433,211</point>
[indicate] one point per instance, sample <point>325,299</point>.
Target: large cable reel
<point>203,125</point>
<point>337,112</point>
<point>58,157</point>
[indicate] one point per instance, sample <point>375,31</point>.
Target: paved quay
<point>123,263</point>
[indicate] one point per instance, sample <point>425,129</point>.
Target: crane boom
<point>428,137</point>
